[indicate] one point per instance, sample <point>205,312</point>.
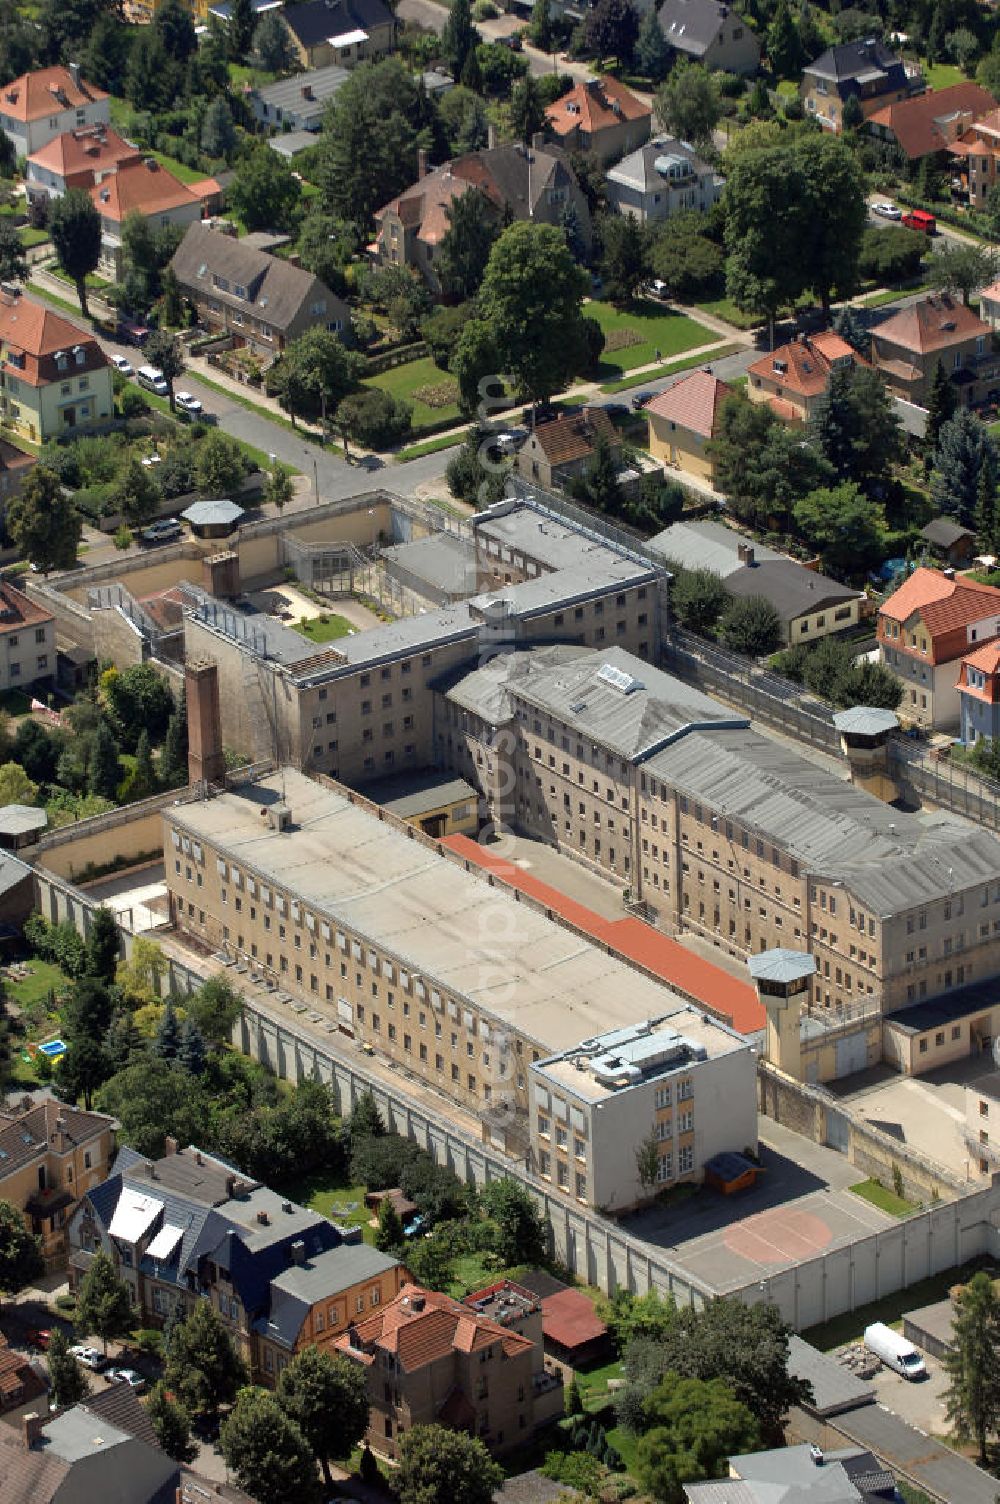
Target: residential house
<point>557,451</point>
<point>867,71</point>
<point>794,377</point>
<point>664,177</point>
<point>51,1155</point>
<point>296,103</point>
<point>805,1473</point>
<point>142,187</point>
<point>974,157</point>
<point>950,542</point>
<point>535,183</point>
<point>683,419</point>
<point>712,33</point>
<point>989,305</point>
<point>431,1360</point>
<point>572,1332</point>
<point>810,604</point>
<point>38,106</point>
<point>190,1227</point>
<point>54,378</point>
<point>925,629</point>
<point>28,633</point>
<point>261,300</point>
<point>979,694</point>
<point>940,329</point>
<point>77,159</point>
<point>932,122</point>
<point>20,1381</point>
<point>599,116</point>
<point>82,1454</point>
<point>15,467</point>
<point>344,32</point>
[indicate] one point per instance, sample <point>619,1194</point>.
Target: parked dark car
<point>131,333</point>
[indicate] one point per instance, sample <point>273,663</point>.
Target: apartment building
<point>38,106</point>
<point>27,640</point>
<point>145,188</point>
<point>431,1360</point>
<point>686,1082</point>
<point>429,965</point>
<point>189,1227</point>
<point>51,1155</point>
<point>723,832</point>
<point>361,709</point>
<point>54,378</point>
<point>925,630</point>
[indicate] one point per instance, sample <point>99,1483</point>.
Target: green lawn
<point>94,282</point>
<point>474,1271</point>
<point>180,170</point>
<point>417,375</point>
<point>594,1382</point>
<point>687,363</point>
<point>325,628</point>
<point>240,74</point>
<point>430,446</point>
<point>943,75</point>
<point>625,1444</point>
<point>30,237</point>
<point>851,1325</point>
<point>654,327</point>
<point>725,308</point>
<point>341,1203</point>
<point>34,989</point>
<point>886,1200</point>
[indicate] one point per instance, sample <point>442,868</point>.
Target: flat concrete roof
<point>443,923</point>
<point>626,1058</point>
<point>420,793</point>
<point>542,535</point>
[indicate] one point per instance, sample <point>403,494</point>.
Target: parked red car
<point>38,1336</point>
<point>919,219</point>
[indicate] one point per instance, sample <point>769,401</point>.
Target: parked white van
<point>152,379</point>
<point>895,1352</point>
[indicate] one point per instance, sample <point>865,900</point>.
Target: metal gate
<point>852,1053</point>
<point>836,1130</point>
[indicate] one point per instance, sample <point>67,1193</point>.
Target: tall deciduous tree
<point>265,192</point>
<point>327,1398</point>
<point>13,260</point>
<point>171,1423</point>
<point>44,523</point>
<point>68,1381</point>
<point>163,350</point>
<point>104,1307</point>
<point>437,1464</point>
<point>963,267</point>
<point>203,1368</point>
<point>75,228</point>
<point>688,104</point>
<point>521,1236</point>
<point>843,525</point>
<point>531,301</point>
<point>973,1365</point>
<point>313,374</point>
<point>761,467</point>
<point>856,428</point>
<point>466,244</point>
<point>751,625</point>
<point>695,1425</point>
<point>611,29</point>
<point>20,1251</point>
<point>266,1452</point>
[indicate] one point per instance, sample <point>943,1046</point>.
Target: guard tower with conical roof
<point>782,981</point>
<point>864,739</point>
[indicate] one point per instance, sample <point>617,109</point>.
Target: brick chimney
<point>205,758</point>
<point>170,1145</point>
<point>31,1429</point>
<point>421,164</point>
<point>491,137</point>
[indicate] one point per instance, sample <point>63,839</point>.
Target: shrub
<point>133,404</point>
<point>122,537</point>
<point>579,1470</point>
<point>375,418</point>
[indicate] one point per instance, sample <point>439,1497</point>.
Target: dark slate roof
<point>845,63</point>
<point>316,20</point>
<point>119,1406</point>
<point>276,290</point>
<point>792,589</point>
<point>297,1289</point>
<point>691,25</point>
<point>944,532</point>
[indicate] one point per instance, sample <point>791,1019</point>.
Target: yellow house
<point>341,32</point>
<point>683,419</point>
<point>50,1156</point>
<point>53,377</point>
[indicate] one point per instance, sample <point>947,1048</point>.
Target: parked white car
<point>188,404</point>
<point>90,1357</point>
<point>123,365</point>
<point>129,1376</point>
<point>887,211</point>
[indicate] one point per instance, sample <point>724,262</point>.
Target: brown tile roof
<point>693,402</point>
<point>119,1406</point>
<point>572,436</point>
<point>95,148</point>
<point>34,1474</point>
<point>944,604</point>
<point>428,1331</point>
<point>37,334</point>
<point>935,323</point>
<point>31,96</point>
<point>140,187</point>
<point>19,1383</point>
<point>17,611</point>
<point>569,1318</point>
<point>26,1135</point>
<point>595,104</point>
<point>807,362</point>
<point>931,121</point>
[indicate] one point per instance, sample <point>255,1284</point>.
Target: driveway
<point>906,1449</point>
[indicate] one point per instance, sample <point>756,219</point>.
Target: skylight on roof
<point>618,679</point>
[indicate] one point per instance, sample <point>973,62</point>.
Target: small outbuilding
<point>950,541</point>
<point>213,519</point>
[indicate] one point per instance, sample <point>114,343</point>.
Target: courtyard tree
<point>466,244</point>
<point>163,350</point>
<point>327,1398</point>
<point>43,522</point>
<point>973,1364</point>
<point>751,625</point>
<point>104,1306</point>
<point>20,1251</point>
<point>521,1233</point>
<point>69,1384</point>
<point>203,1369</point>
<point>75,230</point>
<point>266,1451</point>
<point>437,1464</point>
<point>171,1423</point>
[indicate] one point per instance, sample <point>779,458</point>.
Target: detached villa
<point>53,377</point>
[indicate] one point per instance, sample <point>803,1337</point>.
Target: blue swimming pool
<point>53,1049</point>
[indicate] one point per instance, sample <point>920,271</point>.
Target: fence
<point>401,356</point>
<point>951,785</point>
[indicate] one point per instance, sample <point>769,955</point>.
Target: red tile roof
<point>36,333</point>
<point>17,611</point>
<point>932,121</point>
<point>574,435</point>
<point>716,990</point>
<point>96,148</point>
<point>569,1319</point>
<point>595,104</point>
<point>424,1334</point>
<point>987,660</point>
<point>933,324</point>
<point>31,97</point>
<point>141,187</point>
<point>693,402</point>
<point>808,363</point>
<point>944,604</point>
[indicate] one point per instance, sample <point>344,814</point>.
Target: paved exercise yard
<point>925,1112</point>
<point>801,1206</point>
